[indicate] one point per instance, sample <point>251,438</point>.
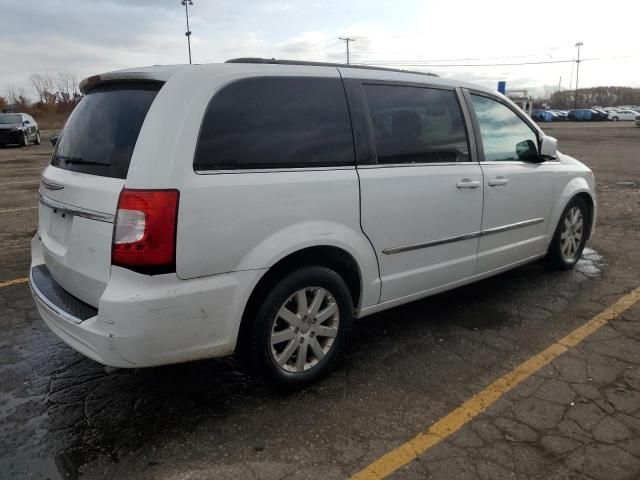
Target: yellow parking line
<point>409,451</point>
<point>16,281</point>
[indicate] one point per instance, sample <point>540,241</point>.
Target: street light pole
<point>186,4</point>
<point>575,96</point>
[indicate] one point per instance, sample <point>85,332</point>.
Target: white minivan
<point>258,206</point>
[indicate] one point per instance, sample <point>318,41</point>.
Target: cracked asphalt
<point>62,416</point>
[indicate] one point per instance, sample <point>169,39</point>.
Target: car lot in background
<point>638,120</point>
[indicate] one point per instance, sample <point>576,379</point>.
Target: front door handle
<point>497,181</point>
<point>468,183</point>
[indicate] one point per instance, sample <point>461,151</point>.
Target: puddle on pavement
<point>591,263</point>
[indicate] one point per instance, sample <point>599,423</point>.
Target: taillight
<point>144,237</point>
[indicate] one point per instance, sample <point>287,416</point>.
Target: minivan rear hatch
<point>80,189</point>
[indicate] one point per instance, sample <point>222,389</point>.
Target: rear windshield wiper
<point>79,160</point>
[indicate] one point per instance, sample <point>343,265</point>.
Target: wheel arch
<point>335,258</point>
<point>576,188</point>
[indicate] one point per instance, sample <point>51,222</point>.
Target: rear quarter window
<point>102,131</point>
<point>276,122</point>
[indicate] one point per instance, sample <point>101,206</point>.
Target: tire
<point>279,363</point>
<point>24,141</point>
<point>563,254</point>
<point>615,119</point>
<point>37,140</point>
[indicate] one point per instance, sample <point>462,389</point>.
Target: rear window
<point>102,130</point>
<point>276,122</point>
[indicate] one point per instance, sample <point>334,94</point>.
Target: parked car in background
<point>259,206</point>
<point>602,115</point>
<point>622,115</point>
<point>586,115</point>
<point>547,116</point>
<point>562,114</point>
<point>19,129</point>
<point>638,120</point>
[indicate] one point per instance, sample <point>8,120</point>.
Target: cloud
<point>87,37</point>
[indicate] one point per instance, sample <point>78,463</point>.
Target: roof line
<point>273,61</point>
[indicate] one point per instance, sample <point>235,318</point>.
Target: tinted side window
<point>276,122</point>
<point>505,136</point>
<point>416,125</point>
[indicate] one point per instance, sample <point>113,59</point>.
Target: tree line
<point>595,96</point>
<point>54,93</point>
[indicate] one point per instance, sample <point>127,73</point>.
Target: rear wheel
<point>570,236</point>
<point>300,329</point>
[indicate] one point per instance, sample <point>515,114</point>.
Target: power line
<point>418,63</point>
<point>450,59</point>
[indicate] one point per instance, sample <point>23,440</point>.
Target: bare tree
<point>67,85</point>
<point>43,84</point>
<point>17,95</point>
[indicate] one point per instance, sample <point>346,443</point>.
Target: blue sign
<point>502,87</point>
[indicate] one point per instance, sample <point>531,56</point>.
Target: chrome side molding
<point>466,236</point>
<point>76,211</point>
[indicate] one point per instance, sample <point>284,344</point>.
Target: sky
<point>86,37</point>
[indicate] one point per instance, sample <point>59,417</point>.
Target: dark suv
<point>18,128</point>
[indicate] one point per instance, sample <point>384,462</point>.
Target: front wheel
<point>570,236</point>
<point>24,141</point>
<point>37,141</point>
<point>615,119</point>
<point>300,329</point>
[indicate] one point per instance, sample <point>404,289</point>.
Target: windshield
<point>102,131</point>
<point>10,119</point>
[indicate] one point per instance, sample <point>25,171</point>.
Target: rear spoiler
<point>149,74</point>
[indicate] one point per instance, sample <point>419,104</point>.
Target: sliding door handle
<point>498,181</point>
<point>468,183</point>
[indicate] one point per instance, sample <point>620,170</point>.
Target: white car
<point>259,206</point>
<point>622,115</point>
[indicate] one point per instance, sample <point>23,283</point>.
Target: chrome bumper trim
<point>76,211</point>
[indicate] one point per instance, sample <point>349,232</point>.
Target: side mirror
<point>26,122</point>
<point>548,148</point>
<point>527,151</point>
<point>54,139</point>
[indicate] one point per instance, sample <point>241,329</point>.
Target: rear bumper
<point>143,321</point>
<point>10,136</point>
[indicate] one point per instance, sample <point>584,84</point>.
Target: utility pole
<point>560,84</point>
<point>347,40</point>
<point>186,4</point>
<point>575,97</point>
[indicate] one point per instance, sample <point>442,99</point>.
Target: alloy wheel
<point>572,233</point>
<point>304,329</point>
